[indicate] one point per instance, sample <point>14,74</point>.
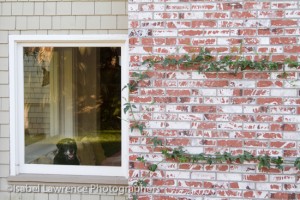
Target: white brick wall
<point>50,17</point>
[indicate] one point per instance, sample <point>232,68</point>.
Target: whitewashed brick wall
<point>215,112</point>
<point>50,17</point>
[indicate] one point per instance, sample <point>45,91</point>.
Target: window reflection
<point>73,92</point>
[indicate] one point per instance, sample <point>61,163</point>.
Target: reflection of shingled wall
<point>37,97</point>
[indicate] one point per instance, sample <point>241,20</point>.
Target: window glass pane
<point>72,94</point>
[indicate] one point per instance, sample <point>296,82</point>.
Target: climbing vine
<point>204,61</point>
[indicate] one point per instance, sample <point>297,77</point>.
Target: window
<point>66,105</point>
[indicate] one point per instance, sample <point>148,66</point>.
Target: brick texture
<point>216,112</point>
<point>47,18</point>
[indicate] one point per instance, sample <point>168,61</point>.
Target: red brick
<point>269,135</point>
<point>216,83</point>
<point>271,14</point>
<point>164,182</point>
<point>178,142</point>
<point>178,92</point>
<point>217,32</point>
<point>204,23</point>
<point>257,75</point>
<point>216,117</point>
<point>216,15</point>
<point>218,49</point>
<point>283,40</point>
<point>171,41</point>
<point>141,99</point>
<point>256,5</point>
<point>225,75</point>
<point>232,23</point>
<point>269,101</point>
<point>207,125</point>
<point>284,22</point>
<point>243,100</point>
<point>162,198</point>
<point>190,32</point>
<point>186,41</point>
<point>243,14</point>
<point>229,193</point>
<point>230,6</point>
<point>177,7</point>
<point>269,83</point>
<point>202,41</point>
<point>230,143</point>
<point>152,91</point>
<point>292,49</point>
<point>222,168</point>
<point>134,24</point>
<point>208,184</point>
<point>245,135</point>
<point>255,92</point>
<point>285,145</point>
<point>290,153</point>
<point>204,109</point>
<point>282,195</point>
<point>283,127</point>
<point>255,177</point>
<point>134,41</point>
<point>190,183</point>
<point>246,32</point>
<point>215,134</point>
<point>268,118</point>
<point>203,6</point>
<point>255,143</point>
<point>178,25</point>
<point>268,31</point>
<point>284,5</point>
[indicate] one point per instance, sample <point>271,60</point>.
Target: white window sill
<point>69,179</point>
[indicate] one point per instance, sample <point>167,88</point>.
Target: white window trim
<point>16,84</point>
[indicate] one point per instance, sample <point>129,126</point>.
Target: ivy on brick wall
<point>204,61</point>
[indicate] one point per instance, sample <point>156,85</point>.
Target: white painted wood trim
<point>17,147</point>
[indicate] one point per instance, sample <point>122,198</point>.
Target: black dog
<point>67,152</point>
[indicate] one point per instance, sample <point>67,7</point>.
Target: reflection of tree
<point>43,56</point>
<point>26,119</point>
<point>88,101</point>
<point>111,92</point>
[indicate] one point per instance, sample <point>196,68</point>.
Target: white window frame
<point>16,84</point>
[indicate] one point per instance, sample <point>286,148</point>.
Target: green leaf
<point>156,142</point>
<point>241,158</point>
<point>264,161</point>
<point>248,156</point>
<point>297,163</point>
<point>152,167</point>
<point>127,107</point>
<point>209,160</point>
<point>141,128</point>
<point>278,162</point>
<point>141,159</point>
<point>164,152</point>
